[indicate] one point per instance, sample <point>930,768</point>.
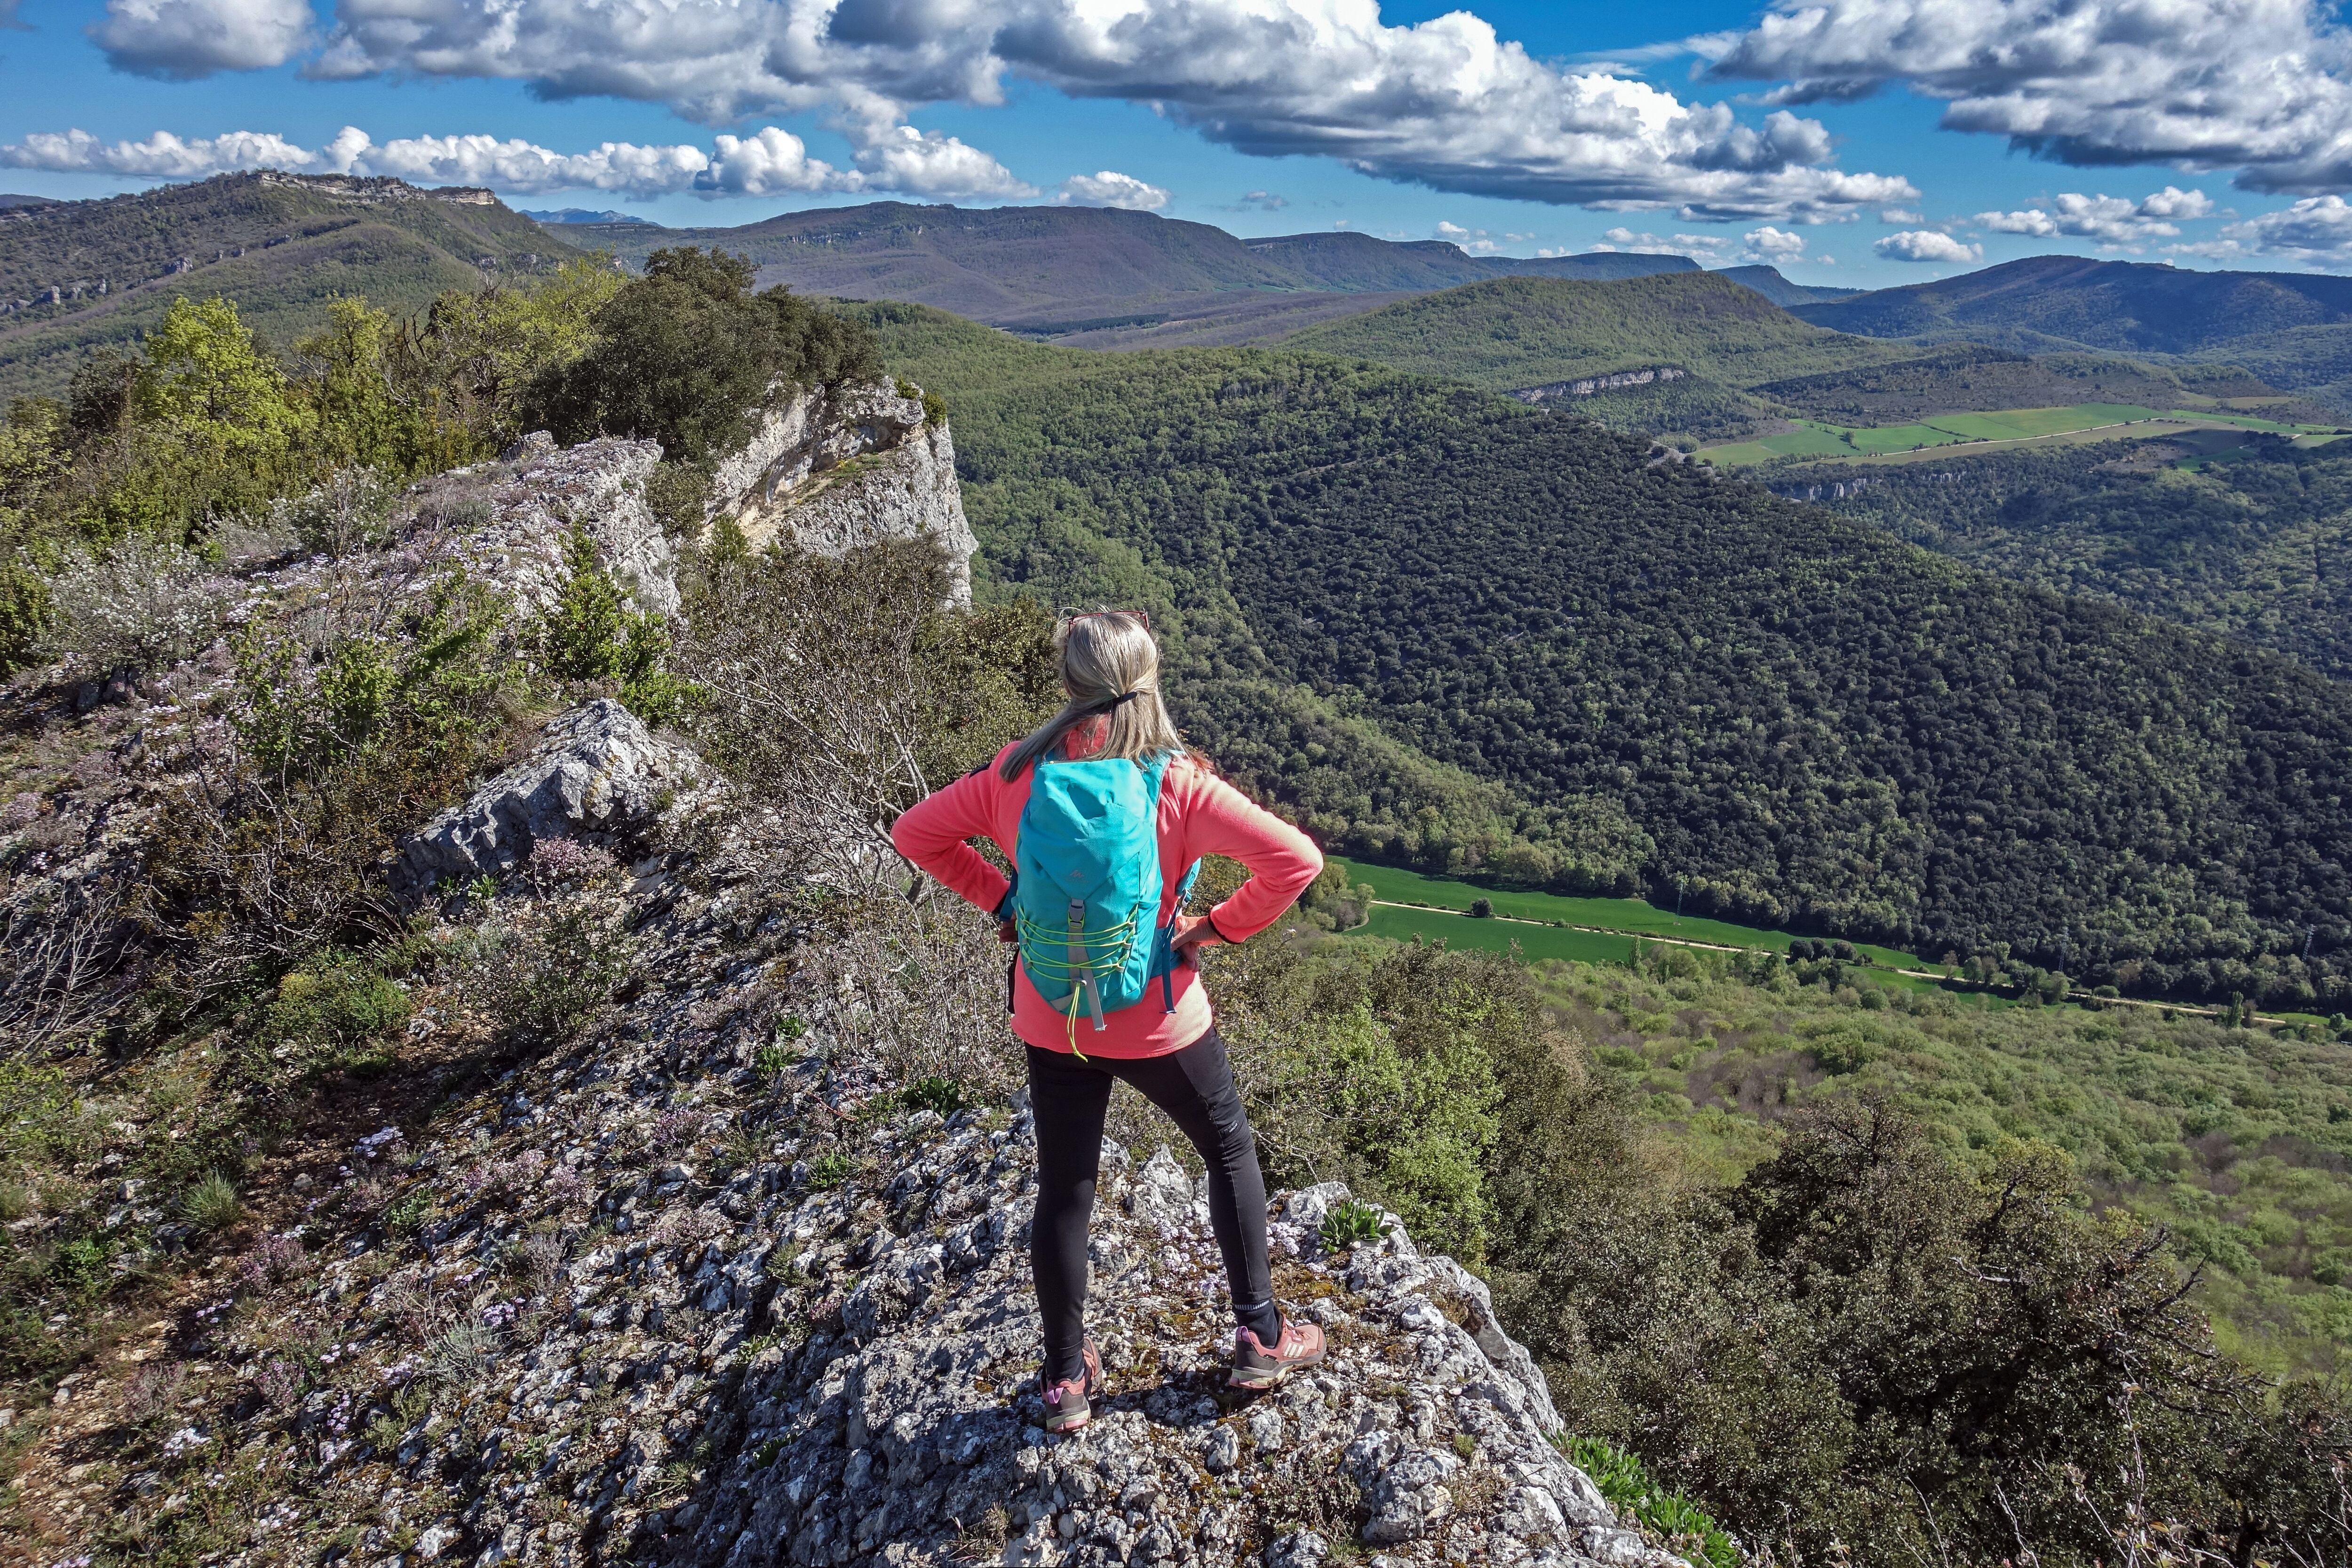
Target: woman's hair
<point>1110,665</point>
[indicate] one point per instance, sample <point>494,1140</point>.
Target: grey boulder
<point>596,770</point>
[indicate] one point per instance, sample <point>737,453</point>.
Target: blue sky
<point>1864,141</point>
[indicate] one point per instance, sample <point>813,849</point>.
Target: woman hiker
<point>1104,819</point>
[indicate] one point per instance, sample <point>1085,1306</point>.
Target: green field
<point>1631,916</point>
<point>1819,439</point>
<point>1534,942</point>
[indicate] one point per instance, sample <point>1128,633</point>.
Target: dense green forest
<point>1528,331</point>
<point>2258,547</point>
<point>1968,377</point>
<point>1806,721</point>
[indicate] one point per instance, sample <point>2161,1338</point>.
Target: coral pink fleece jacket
<point>1199,814</point>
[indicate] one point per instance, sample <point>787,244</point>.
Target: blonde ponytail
<point>1110,665</point>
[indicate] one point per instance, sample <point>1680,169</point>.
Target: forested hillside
<point>1971,376</point>
<point>1810,721</point>
<point>1525,332</point>
<point>75,274</point>
<point>2258,548</point>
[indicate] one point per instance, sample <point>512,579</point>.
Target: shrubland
<point>1868,1336</point>
<point>205,963</point>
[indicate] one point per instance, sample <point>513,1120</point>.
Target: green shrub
<point>1482,908</point>
<point>773,1060</point>
<point>1348,1223</point>
<point>337,1014</point>
<point>943,1095</point>
<point>592,635</point>
<point>213,1203</point>
<point>1679,1523</point>
<point>829,1171</point>
<point>548,970</point>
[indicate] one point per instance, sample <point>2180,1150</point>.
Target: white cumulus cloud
<point>1644,243</point>
<point>1110,188</point>
<point>769,162</point>
<point>2263,87</point>
<point>1770,244</point>
<point>2110,220</point>
<point>1927,245</point>
<point>185,39</point>
<point>1446,102</point>
<point>2316,231</point>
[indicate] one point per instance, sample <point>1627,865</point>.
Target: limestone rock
<point>543,491</point>
<point>598,769</point>
<point>831,471</point>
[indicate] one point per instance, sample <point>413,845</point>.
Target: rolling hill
<point>1124,278</point>
<point>1768,282</point>
<point>2258,547</point>
<point>9,200</point>
<point>2131,306</point>
<point>74,275</point>
<point>1526,333</point>
<point>1398,605</point>
<point>2291,330</point>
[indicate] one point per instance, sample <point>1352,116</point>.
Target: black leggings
<point>1195,1088</point>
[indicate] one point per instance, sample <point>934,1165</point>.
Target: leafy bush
<point>592,635</point>
<point>544,971</point>
<point>273,852</point>
<point>1348,1223</point>
<point>687,357</point>
<point>1380,1071</point>
<point>943,1095</point>
<point>145,604</point>
<point>1482,908</point>
<point>1679,1523</point>
<point>348,510</point>
<point>828,1172</point>
<point>337,1013</point>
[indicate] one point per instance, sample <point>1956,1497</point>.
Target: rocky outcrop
<point>701,1287</point>
<point>831,469</point>
<point>597,770</point>
<point>541,492</point>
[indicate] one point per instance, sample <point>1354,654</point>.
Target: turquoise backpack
<point>1085,901</point>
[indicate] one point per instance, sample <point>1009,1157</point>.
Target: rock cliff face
<point>835,470</point>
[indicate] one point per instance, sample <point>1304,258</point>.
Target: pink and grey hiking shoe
<point>1257,1367</point>
<point>1068,1403</point>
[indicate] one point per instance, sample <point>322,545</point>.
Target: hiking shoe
<point>1256,1367</point>
<point>1067,1403</point>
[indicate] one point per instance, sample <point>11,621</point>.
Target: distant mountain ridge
<point>75,274</point>
<point>10,199</point>
<point>1768,282</point>
<point>1115,275</point>
<point>2291,330</point>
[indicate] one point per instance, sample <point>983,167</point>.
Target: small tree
<point>1482,908</point>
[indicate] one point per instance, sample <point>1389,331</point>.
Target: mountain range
<point>77,275</point>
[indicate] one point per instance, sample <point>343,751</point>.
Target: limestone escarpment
<point>833,468</point>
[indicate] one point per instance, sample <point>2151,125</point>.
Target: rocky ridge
<point>706,1287</point>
